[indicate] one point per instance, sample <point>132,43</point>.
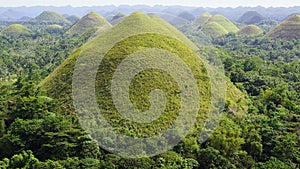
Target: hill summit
<point>90,22</point>
<point>250,30</point>
<point>287,29</point>
<point>16,30</point>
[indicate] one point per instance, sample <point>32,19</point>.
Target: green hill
<point>48,18</point>
<point>73,18</point>
<point>15,30</point>
<point>251,17</point>
<point>225,23</point>
<point>288,29</point>
<point>90,22</point>
<point>250,30</point>
<point>157,34</point>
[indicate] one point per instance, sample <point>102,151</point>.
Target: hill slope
<point>288,29</point>
<point>251,17</point>
<point>15,30</point>
<point>91,21</point>
<point>250,30</point>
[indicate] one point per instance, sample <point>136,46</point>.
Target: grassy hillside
<point>251,17</point>
<point>250,30</point>
<point>91,21</point>
<point>15,30</point>
<point>288,29</point>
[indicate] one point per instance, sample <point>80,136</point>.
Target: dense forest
<point>36,131</point>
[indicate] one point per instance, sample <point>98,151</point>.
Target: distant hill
<point>15,30</point>
<point>90,22</point>
<point>251,17</point>
<point>47,18</point>
<point>186,15</point>
<point>211,25</point>
<point>73,18</point>
<point>115,19</point>
<point>287,29</point>
<point>202,19</point>
<point>250,30</point>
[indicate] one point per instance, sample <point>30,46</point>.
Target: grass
<point>16,30</point>
<point>288,29</point>
<point>88,22</point>
<point>250,30</point>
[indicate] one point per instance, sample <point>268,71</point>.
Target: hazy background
<point>200,3</point>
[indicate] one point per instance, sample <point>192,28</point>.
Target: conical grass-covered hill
<point>48,18</point>
<point>16,30</point>
<point>90,22</point>
<point>250,30</point>
<point>251,17</point>
<point>212,25</point>
<point>134,35</point>
<point>287,29</point>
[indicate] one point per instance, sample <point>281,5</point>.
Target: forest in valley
<point>260,55</point>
